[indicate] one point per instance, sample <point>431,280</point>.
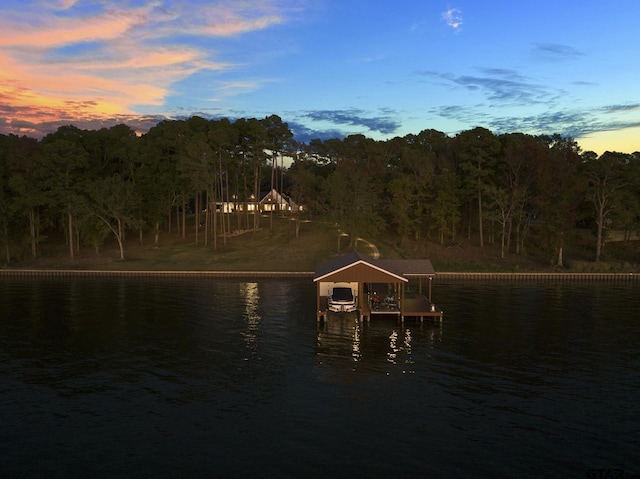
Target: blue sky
<point>327,67</point>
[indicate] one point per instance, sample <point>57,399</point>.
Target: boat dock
<point>381,286</point>
<point>416,308</point>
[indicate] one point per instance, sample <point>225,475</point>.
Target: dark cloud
<point>555,52</point>
<point>583,83</point>
<point>499,85</point>
<point>4,108</point>
<point>507,88</point>
<point>574,124</point>
<point>503,89</point>
<point>384,124</point>
<point>465,115</point>
<point>621,108</point>
<point>304,134</point>
<point>570,124</point>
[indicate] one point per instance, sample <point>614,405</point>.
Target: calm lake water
<point>223,378</point>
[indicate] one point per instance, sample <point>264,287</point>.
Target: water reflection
<point>251,299</point>
<point>393,347</point>
<point>339,339</point>
<point>407,346</point>
<point>400,354</point>
<point>346,343</point>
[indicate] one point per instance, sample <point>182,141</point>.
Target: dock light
<point>433,308</point>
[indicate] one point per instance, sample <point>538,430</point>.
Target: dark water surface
<point>222,378</point>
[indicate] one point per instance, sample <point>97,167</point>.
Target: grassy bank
<point>278,249</point>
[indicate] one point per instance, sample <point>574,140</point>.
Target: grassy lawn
<point>278,249</point>
<point>267,249</point>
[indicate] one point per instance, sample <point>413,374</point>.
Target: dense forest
<point>512,190</point>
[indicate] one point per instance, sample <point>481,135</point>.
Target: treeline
<point>508,189</point>
<point>511,189</point>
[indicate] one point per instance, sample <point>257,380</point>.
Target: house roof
<point>274,197</point>
<point>355,266</point>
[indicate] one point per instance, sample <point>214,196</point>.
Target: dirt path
<point>375,253</point>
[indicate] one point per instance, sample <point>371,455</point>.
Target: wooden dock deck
<point>420,307</point>
<point>415,307</point>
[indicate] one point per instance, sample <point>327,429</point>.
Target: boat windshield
<point>342,294</point>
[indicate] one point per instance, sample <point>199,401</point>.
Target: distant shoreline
<point>446,275</point>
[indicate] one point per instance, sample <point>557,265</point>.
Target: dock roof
<point>409,267</point>
<point>354,266</point>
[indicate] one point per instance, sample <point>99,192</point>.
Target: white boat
<point>341,299</point>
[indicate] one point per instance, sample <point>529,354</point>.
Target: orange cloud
<point>36,108</point>
<point>51,82</point>
<point>56,32</point>
<point>232,27</point>
<point>239,17</point>
<point>63,4</point>
<point>57,66</point>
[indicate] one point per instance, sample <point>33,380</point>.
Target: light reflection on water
<point>215,378</point>
<point>251,297</point>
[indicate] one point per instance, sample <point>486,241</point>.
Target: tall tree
<point>627,212</point>
<point>501,210</point>
<point>307,182</point>
<point>196,166</point>
<point>607,175</point>
<point>157,177</point>
<point>353,201</point>
<point>5,199</point>
<point>446,204</point>
<point>113,201</point>
<point>402,207</point>
<point>515,173</point>
<point>559,192</point>
<point>279,138</point>
<point>478,150</point>
<point>252,144</point>
<point>20,191</point>
<point>223,138</point>
<point>411,169</point>
<point>62,166</point>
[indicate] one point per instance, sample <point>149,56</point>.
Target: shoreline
<point>446,275</point>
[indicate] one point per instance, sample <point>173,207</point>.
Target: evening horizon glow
<point>327,68</point>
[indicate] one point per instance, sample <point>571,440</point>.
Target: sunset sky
<point>327,67</point>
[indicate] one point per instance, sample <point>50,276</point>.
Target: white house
<point>274,201</point>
